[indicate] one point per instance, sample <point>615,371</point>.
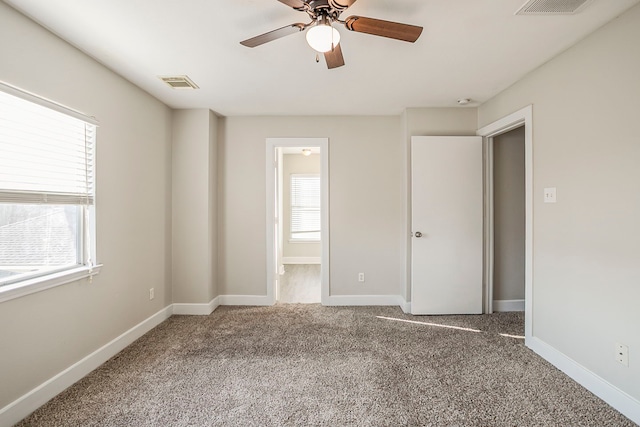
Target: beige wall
<point>427,122</point>
<point>365,203</point>
<point>194,208</point>
<point>586,251</point>
<point>44,333</point>
<point>508,215</point>
<point>296,164</point>
<point>586,274</point>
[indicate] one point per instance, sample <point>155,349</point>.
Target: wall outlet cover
<point>622,354</point>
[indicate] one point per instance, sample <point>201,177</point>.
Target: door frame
<point>522,117</point>
<point>271,183</point>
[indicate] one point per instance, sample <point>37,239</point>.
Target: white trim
<point>26,404</point>
<point>302,260</point>
<point>359,300</point>
<point>510,122</point>
<point>405,306</point>
<point>618,399</point>
<point>271,145</point>
<point>332,300</point>
<point>488,225</point>
<point>507,123</point>
<point>254,300</point>
<point>196,309</point>
<point>41,283</point>
<point>502,305</point>
<point>47,103</point>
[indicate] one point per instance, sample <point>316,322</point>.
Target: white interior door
<point>446,199</point>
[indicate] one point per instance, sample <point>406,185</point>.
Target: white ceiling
<point>468,49</point>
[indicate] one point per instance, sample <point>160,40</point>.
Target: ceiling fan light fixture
<point>323,37</point>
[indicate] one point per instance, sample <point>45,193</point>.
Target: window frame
<point>86,233</point>
<point>292,239</point>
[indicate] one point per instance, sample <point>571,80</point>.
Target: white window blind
<point>47,155</point>
<point>47,221</point>
<point>305,207</point>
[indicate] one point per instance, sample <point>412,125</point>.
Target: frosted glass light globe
<point>322,38</point>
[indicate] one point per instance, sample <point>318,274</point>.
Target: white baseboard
<point>196,309</point>
<point>618,399</point>
<point>25,405</point>
<point>346,300</point>
<point>245,300</point>
<point>405,306</point>
<point>508,305</point>
<point>301,260</point>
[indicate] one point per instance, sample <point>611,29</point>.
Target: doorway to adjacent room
<point>297,220</point>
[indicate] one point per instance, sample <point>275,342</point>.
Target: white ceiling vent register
<point>553,7</point>
<point>179,82</point>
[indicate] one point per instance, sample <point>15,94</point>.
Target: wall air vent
<point>179,82</point>
<point>553,7</point>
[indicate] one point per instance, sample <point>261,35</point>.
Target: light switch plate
<point>550,195</point>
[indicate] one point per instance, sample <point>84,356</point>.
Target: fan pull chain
<point>333,45</point>
<point>317,58</point>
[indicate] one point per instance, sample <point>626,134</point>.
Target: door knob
<point>418,234</point>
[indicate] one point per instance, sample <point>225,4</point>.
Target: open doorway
<point>297,220</point>
<point>522,122</point>
<point>508,221</point>
<point>299,280</point>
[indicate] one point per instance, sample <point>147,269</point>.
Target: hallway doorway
<point>297,220</point>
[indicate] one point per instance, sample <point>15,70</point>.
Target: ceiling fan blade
<point>341,4</point>
<point>273,35</point>
<point>296,4</point>
<point>334,57</point>
<point>378,27</point>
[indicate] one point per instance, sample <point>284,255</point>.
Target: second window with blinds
<point>305,208</point>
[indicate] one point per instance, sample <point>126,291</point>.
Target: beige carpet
<point>307,365</point>
<point>300,284</point>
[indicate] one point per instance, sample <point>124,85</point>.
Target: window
<point>305,207</point>
<point>46,190</point>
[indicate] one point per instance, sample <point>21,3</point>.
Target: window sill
<point>37,284</point>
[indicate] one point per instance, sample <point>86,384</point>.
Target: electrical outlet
<point>360,277</point>
<point>622,354</point>
<point>152,293</point>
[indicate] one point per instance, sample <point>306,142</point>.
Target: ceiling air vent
<point>179,82</point>
<point>552,7</point>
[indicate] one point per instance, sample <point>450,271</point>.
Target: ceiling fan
<point>324,38</point>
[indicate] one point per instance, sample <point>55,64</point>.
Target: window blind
<point>305,205</point>
<point>47,155</point>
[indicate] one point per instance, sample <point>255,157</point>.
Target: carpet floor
<point>308,365</point>
<point>301,283</point>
